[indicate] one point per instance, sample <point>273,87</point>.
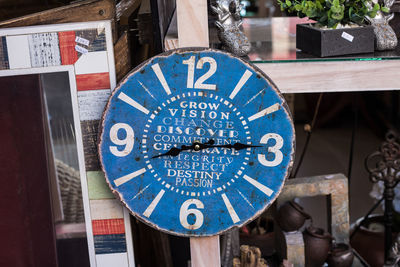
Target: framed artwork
<point>76,65</point>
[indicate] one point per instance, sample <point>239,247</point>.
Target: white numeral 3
<point>273,149</point>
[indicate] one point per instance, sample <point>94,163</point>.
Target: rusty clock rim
<point>138,68</point>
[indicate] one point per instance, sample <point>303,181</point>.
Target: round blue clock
<point>196,141</point>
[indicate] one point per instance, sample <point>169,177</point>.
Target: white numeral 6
<point>185,211</point>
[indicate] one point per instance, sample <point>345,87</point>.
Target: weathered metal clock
<point>196,141</point>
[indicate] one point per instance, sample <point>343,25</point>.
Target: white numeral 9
<point>184,213</point>
<point>273,149</point>
<point>128,141</point>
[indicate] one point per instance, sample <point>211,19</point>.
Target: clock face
<point>196,141</point>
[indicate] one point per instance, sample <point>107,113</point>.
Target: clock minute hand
<point>237,146</point>
<point>210,144</point>
<point>174,151</point>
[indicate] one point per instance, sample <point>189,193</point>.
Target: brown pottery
<point>369,240</point>
<point>341,256</point>
<point>317,243</point>
<point>291,216</point>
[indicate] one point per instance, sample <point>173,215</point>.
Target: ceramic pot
<point>291,216</point>
<point>341,256</point>
<point>369,240</point>
<point>317,244</point>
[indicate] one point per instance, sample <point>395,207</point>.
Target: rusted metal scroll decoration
<point>384,165</point>
<point>196,141</point>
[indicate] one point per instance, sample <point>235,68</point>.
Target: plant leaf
<point>372,14</point>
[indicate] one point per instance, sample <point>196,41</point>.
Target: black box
<point>335,42</point>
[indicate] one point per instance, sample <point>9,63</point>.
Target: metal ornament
<point>394,256</point>
<point>386,169</point>
<point>196,141</point>
<point>229,22</point>
<point>385,37</point>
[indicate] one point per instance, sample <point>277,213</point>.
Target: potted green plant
<point>340,26</point>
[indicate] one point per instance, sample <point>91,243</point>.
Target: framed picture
<point>75,63</point>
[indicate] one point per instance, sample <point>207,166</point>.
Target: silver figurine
<point>385,37</point>
<point>228,24</point>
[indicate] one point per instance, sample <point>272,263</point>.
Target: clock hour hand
<point>174,151</point>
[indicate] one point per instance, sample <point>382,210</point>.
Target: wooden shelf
<point>274,52</point>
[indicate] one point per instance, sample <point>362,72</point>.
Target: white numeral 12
<point>199,84</point>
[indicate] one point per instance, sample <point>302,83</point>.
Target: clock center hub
<point>197,147</point>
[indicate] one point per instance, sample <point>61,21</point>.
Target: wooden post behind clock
<point>193,31</point>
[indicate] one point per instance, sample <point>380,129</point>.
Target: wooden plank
<point>192,20</point>
<point>125,9</point>
<point>67,47</point>
<point>333,76</point>
<point>14,9</point>
<point>18,52</point>
<point>101,209</point>
<point>93,81</point>
<point>44,49</point>
<point>90,130</point>
<point>204,251</point>
<point>171,38</point>
<point>122,56</point>
<point>97,186</point>
<point>90,10</point>
<point>192,23</point>
<point>91,105</point>
<point>114,259</point>
<point>92,62</point>
<point>108,227</point>
<point>109,244</point>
